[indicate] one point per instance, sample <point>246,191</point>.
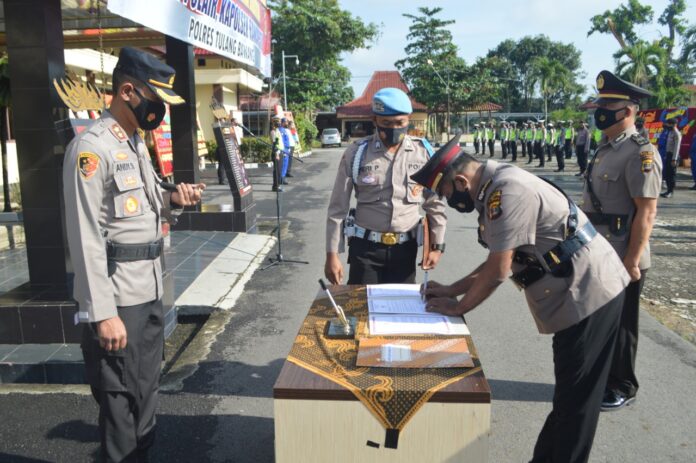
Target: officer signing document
<point>113,210</point>
<point>572,279</point>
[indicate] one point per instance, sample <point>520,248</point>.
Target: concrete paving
<point>224,411</point>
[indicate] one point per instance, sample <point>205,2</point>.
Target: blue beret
<point>391,102</point>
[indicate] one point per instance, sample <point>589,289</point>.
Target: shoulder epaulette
<point>426,144</point>
<point>639,139</point>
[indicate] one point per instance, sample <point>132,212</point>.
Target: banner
<point>162,144</point>
<point>685,122</point>
<point>236,29</point>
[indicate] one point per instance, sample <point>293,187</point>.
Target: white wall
<point>12,168</point>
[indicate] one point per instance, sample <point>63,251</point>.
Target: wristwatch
<point>438,247</point>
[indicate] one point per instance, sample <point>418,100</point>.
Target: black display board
<point>232,161</point>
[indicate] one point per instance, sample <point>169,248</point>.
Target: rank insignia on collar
<point>646,161</point>
<point>494,205</point>
<point>87,164</point>
<point>482,191</point>
<point>118,132</point>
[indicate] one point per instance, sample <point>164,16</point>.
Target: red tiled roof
<point>258,103</point>
<point>691,88</point>
<point>362,106</point>
<point>487,106</point>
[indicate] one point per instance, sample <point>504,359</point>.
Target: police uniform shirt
<point>387,199</point>
<point>673,143</point>
<point>111,193</point>
<point>624,168</point>
<point>519,211</point>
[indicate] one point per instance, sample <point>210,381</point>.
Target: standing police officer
<point>573,281</point>
<point>620,199</point>
<point>113,210</point>
<point>477,138</point>
<point>383,231</point>
<point>672,146</point>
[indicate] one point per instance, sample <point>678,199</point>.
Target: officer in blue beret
<point>382,230</point>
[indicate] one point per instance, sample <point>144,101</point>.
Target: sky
<point>482,25</point>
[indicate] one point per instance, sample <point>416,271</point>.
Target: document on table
<point>395,299</point>
<point>388,324</point>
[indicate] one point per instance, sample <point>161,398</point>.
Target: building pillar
<point>183,117</point>
<point>35,56</point>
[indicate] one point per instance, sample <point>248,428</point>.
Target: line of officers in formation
<point>539,140</point>
<point>581,268</point>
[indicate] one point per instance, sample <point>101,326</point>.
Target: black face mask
<point>392,136</point>
<point>605,118</point>
<point>460,200</point>
<point>149,114</point>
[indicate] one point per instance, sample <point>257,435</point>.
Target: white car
<point>330,137</point>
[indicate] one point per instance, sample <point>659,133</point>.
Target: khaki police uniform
<point>622,169</point>
<point>580,306</point>
<point>387,201</point>
<point>672,149</point>
<point>112,200</point>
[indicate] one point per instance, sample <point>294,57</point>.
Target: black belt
<point>618,223</point>
<point>119,252</point>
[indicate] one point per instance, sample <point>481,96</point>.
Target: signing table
<point>327,409</point>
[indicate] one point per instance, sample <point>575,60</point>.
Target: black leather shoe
<point>289,175</point>
<point>540,165</point>
<point>613,401</point>
<point>666,194</point>
<point>580,174</point>
<point>558,170</point>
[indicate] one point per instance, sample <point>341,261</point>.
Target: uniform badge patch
<point>130,181</point>
<point>87,164</point>
<point>118,132</point>
<point>416,190</point>
<point>646,161</point>
<point>494,205</point>
<point>131,205</point>
<point>369,180</point>
<point>122,156</point>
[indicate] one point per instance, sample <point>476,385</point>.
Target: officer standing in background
<point>383,231</point>
<point>550,135</point>
<point>484,139</point>
<point>582,142</point>
<point>490,137</point>
<point>477,138</point>
<point>569,135</point>
<point>523,138</point>
<point>671,157</point>
<point>572,279</point>
<point>504,139</point>
<point>277,154</point>
<point>113,210</point>
<point>640,128</point>
<point>513,140</point>
<point>286,128</point>
<point>620,199</point>
<point>539,139</point>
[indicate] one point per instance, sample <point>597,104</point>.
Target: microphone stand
<point>279,259</point>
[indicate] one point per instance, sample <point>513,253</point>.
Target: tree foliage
<point>652,64</point>
<point>318,31</point>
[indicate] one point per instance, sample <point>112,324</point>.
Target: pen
<point>425,284</point>
<point>339,311</point>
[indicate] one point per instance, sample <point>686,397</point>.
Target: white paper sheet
<point>393,290</point>
<point>385,325</point>
<point>396,305</point>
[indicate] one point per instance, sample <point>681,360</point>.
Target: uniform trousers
<point>483,147</point>
<point>529,151</point>
<point>491,144</point>
<point>581,153</point>
<point>374,263</point>
<point>292,152</point>
<point>549,151</point>
<point>222,180</point>
<point>670,173</point>
<point>539,152</point>
<point>477,146</point>
<point>513,148</point>
<point>582,356</point>
<point>504,148</point>
<point>559,157</point>
<point>622,376</point>
<point>568,148</point>
<point>125,382</point>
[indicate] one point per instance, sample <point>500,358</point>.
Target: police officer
<point>672,146</point>
<point>550,134</point>
<point>582,143</point>
<point>530,135</point>
<point>514,139</point>
<point>113,209</point>
<point>278,153</point>
<point>477,138</point>
<point>539,140</point>
<point>568,136</point>
<point>383,231</point>
<point>490,137</point>
<point>620,198</point>
<point>572,279</point>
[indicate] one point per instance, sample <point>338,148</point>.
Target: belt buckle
<point>390,239</point>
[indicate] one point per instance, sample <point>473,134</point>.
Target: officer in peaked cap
<point>620,198</point>
<point>382,231</point>
<point>573,282</point>
<point>114,204</point>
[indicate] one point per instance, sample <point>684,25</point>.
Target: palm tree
<point>640,62</point>
<point>4,104</point>
<point>552,77</point>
